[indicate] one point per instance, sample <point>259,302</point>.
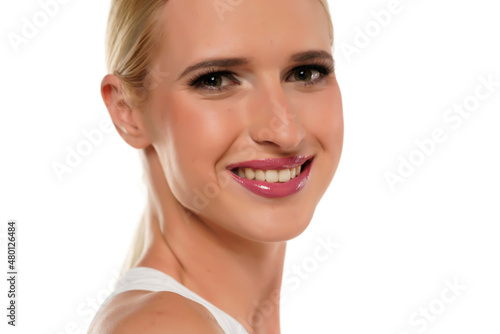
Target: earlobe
<point>128,120</point>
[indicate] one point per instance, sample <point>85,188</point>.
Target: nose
<point>275,121</point>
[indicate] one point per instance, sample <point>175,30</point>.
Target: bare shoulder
<point>148,312</point>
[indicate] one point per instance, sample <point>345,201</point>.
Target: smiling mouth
<point>270,175</point>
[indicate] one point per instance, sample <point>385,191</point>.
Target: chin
<point>287,233</point>
<point>276,225</point>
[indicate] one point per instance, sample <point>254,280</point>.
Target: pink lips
<point>274,190</point>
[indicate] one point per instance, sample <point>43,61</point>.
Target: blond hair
<point>131,39</point>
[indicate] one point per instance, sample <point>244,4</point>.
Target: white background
<point>397,248</point>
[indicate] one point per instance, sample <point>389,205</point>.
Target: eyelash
<point>321,67</point>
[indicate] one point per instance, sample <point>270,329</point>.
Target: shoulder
<point>153,313</point>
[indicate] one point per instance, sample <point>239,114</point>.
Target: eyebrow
<point>231,62</point>
<point>311,55</point>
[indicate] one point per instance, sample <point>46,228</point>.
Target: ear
<point>128,120</point>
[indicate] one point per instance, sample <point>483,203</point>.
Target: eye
<point>213,81</point>
<point>306,74</point>
<point>309,74</point>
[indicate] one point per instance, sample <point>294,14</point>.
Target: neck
<point>239,276</point>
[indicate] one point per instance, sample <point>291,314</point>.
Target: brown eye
<point>212,81</point>
<point>305,74</point>
<point>309,75</point>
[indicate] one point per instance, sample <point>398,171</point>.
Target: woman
<point>237,113</point>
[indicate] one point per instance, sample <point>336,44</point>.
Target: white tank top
<point>149,279</point>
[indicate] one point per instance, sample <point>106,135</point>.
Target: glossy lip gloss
<point>277,189</point>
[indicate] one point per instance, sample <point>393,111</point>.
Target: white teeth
<point>284,175</point>
<point>271,175</point>
<point>241,172</point>
<point>260,175</point>
<point>249,173</point>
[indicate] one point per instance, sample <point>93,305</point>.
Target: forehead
<point>256,29</point>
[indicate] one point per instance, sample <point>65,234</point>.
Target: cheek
<point>202,130</point>
<point>324,120</point>
<point>192,136</point>
<point>334,128</point>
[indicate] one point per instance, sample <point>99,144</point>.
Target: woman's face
<point>272,97</point>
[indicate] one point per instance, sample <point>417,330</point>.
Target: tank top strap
<point>149,279</point>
